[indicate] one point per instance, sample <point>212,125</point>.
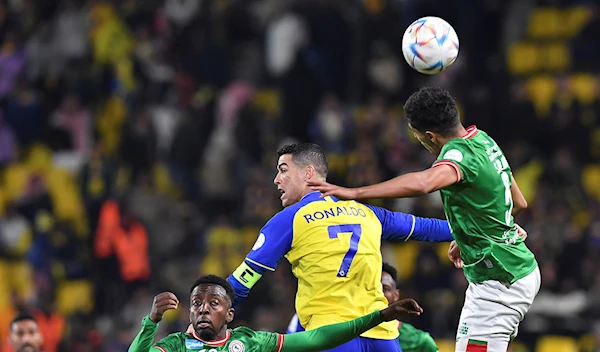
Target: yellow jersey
<point>334,247</point>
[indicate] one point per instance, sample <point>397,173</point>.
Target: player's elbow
<point>519,205</point>
<point>425,186</point>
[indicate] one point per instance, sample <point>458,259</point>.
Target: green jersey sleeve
<point>329,336</point>
<point>414,340</point>
<point>145,338</point>
<point>457,154</point>
<point>258,340</point>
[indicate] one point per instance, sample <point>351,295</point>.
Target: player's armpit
<point>519,201</point>
<point>329,336</point>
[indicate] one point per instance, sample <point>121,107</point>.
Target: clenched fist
<point>162,303</point>
<point>399,309</point>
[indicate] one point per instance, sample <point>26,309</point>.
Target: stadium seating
<point>556,344</point>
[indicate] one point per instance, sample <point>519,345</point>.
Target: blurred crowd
<point>138,138</point>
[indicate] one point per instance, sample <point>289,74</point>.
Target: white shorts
<point>492,312</point>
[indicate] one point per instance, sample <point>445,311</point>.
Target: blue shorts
<point>364,344</point>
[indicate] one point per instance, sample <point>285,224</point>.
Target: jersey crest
<point>236,346</point>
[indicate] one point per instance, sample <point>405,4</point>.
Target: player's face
<point>427,139</point>
<point>290,180</point>
<point>391,293</point>
<point>210,311</point>
<point>25,336</point>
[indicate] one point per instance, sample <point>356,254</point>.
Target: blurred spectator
<point>15,241</point>
<point>12,61</point>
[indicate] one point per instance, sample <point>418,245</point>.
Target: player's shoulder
<point>175,339</point>
<point>244,332</point>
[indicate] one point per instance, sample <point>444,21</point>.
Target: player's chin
<point>206,333</point>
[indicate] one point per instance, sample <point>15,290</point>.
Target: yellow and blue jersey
<point>334,247</point>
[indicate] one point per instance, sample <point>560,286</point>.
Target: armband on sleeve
<point>246,275</point>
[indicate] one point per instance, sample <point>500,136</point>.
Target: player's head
<point>389,277</point>
<point>211,298</point>
<point>432,115</point>
<point>297,165</point>
<point>25,334</point>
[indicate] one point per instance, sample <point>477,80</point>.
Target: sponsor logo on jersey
<point>453,154</point>
<point>236,346</point>
<point>192,344</point>
<point>259,241</point>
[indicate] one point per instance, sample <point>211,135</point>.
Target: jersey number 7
<point>356,231</point>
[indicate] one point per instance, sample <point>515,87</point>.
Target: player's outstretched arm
<point>396,226</point>
<point>145,337</point>
<point>333,335</point>
<point>408,185</point>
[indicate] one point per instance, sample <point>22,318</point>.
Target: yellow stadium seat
<point>584,87</point>
<point>556,344</point>
<point>445,345</point>
<point>589,178</point>
<point>522,58</point>
<point>442,252</point>
<point>545,23</point>
<point>577,17</point>
<point>73,296</point>
<point>406,255</point>
<point>527,177</point>
<point>542,90</point>
<point>587,343</point>
<point>268,101</point>
<point>556,56</point>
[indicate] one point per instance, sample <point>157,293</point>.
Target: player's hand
<point>454,255</point>
<point>327,189</point>
<point>162,303</point>
<point>521,232</point>
<point>401,308</point>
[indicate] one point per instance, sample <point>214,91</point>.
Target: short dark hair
<point>305,154</point>
<point>214,280</point>
<point>432,109</point>
<point>22,316</point>
<point>392,271</point>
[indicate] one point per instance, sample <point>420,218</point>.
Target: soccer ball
<point>430,45</point>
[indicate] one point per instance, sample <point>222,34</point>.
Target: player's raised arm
<point>330,336</point>
<point>273,242</point>
<point>145,337</point>
<point>396,226</point>
<point>413,184</point>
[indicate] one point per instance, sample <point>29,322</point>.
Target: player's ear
<point>397,295</point>
<point>309,172</point>
<point>431,135</point>
<point>230,315</point>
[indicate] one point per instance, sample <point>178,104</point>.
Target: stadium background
<point>137,145</point>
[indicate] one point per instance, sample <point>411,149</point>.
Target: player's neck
<point>459,132</point>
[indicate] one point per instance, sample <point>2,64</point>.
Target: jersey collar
<point>212,343</point>
<point>471,132</point>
